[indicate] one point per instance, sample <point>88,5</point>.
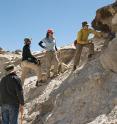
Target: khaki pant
<point>26,66</point>
<point>51,58</point>
<point>79,48</point>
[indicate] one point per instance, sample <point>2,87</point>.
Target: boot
<point>74,67</point>
<point>39,83</point>
<point>55,75</point>
<point>90,56</point>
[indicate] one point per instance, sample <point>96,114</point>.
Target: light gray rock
<point>109,58</point>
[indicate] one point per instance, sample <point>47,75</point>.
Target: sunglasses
<point>50,32</point>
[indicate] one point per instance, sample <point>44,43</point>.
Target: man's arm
<point>97,34</point>
<point>19,91</point>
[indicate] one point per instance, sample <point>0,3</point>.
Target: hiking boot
<point>90,56</point>
<point>39,83</point>
<point>74,67</point>
<point>55,75</point>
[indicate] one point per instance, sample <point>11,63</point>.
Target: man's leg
<point>77,55</point>
<point>5,114</point>
<point>13,114</point>
<point>91,49</point>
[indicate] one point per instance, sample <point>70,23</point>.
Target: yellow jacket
<point>82,36</point>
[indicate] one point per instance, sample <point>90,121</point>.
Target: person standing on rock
<point>82,41</point>
<point>30,62</point>
<point>12,99</point>
<point>51,57</point>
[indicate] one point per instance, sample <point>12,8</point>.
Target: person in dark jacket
<point>12,99</point>
<point>30,62</point>
<point>27,55</point>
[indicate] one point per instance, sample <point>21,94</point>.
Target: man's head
<point>85,25</point>
<point>27,41</point>
<point>9,68</point>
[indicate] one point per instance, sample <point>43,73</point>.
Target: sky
<point>32,18</point>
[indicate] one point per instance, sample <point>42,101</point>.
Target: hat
<point>27,40</point>
<point>50,31</point>
<point>9,68</point>
<point>85,23</point>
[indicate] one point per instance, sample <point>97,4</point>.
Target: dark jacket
<point>11,90</point>
<point>26,55</point>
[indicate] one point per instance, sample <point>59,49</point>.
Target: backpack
<point>75,42</point>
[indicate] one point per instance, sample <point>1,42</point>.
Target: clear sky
<point>31,18</point>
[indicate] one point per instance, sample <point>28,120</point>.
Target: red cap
<point>50,31</point>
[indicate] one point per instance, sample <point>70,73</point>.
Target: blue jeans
<point>10,114</point>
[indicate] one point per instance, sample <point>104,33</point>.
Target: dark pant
<point>10,114</point>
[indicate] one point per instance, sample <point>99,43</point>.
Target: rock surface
<point>86,96</point>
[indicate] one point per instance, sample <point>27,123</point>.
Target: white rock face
<point>109,57</point>
<point>83,97</point>
<point>110,118</point>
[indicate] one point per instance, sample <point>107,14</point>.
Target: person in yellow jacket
<point>82,41</point>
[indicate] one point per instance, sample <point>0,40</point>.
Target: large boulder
<point>105,19</point>
<point>109,57</point>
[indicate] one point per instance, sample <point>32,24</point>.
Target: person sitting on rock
<point>50,47</point>
<point>82,41</point>
<point>30,62</point>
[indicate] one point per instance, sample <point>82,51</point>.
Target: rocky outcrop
<point>106,18</point>
<point>86,96</point>
<point>65,54</point>
<point>76,98</point>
